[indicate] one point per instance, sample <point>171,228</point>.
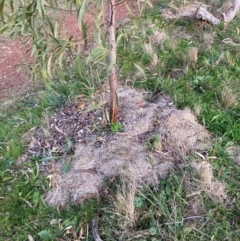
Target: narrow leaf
<point>12,6</point>
<point>53,4</point>
<point>84,32</point>
<point>55,39</point>
<point>147,2</point>
<point>1,9</point>
<point>55,30</point>
<point>130,11</point>
<point>3,30</point>
<point>78,3</point>
<point>81,11</point>
<point>45,234</point>
<point>48,158</point>
<point>140,69</point>
<point>40,8</point>
<point>50,25</point>
<point>67,166</point>
<point>119,37</point>
<point>2,6</point>
<point>69,142</point>
<point>49,64</point>
<point>31,8</point>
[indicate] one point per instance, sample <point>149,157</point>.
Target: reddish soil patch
<point>14,55</point>
<point>70,26</point>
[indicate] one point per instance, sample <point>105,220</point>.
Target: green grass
<point>201,83</point>
<point>160,213</point>
<point>23,210</point>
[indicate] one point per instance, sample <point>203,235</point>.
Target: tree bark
<point>203,14</point>
<point>111,28</point>
<point>230,10</point>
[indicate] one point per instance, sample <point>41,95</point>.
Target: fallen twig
<point>95,229</point>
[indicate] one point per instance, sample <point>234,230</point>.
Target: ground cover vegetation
<point>198,65</point>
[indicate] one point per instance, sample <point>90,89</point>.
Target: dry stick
<point>95,229</point>
<point>203,14</point>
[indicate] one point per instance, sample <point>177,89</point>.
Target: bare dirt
<point>13,56</point>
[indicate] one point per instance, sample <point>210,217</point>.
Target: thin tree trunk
<point>112,61</point>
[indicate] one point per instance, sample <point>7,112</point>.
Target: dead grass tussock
<point>154,60</point>
<point>197,110</point>
<point>148,48</point>
<point>173,44</point>
<point>158,37</point>
<point>123,201</point>
<point>123,207</point>
<point>214,188</point>
<point>229,58</point>
<point>208,38</point>
<point>193,55</point>
<point>155,41</point>
<point>228,99</point>
<point>225,57</point>
<point>220,59</point>
<point>194,207</point>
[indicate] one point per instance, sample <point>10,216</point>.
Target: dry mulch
<point>79,151</point>
<point>75,123</point>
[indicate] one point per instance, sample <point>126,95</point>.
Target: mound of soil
<point>101,154</point>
